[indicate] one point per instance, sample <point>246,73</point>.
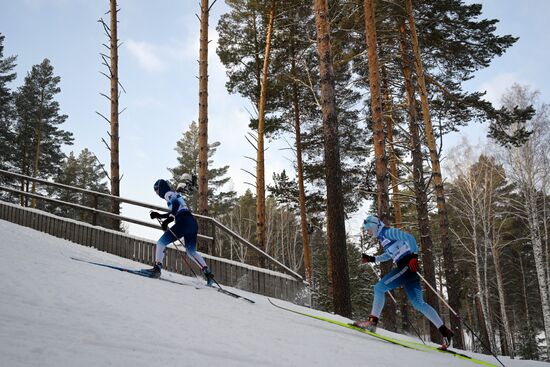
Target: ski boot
<point>370,324</point>
<point>447,336</point>
<point>208,276</point>
<point>155,270</point>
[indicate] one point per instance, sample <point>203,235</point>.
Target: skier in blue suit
<point>185,226</point>
<point>400,247</point>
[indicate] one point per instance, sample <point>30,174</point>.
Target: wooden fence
<point>267,282</point>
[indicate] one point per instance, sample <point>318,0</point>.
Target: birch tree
<point>527,166</point>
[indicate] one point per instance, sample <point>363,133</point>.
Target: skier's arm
<point>155,215</point>
<point>381,258</point>
<point>399,235</point>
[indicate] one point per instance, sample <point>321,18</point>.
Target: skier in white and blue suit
<point>185,226</point>
<point>400,247</point>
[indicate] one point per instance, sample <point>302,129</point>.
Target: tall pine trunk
<point>420,188</point>
<point>38,142</point>
<point>115,169</point>
<point>394,174</point>
<point>379,137</point>
<point>300,169</point>
<point>453,288</point>
<point>336,230</point>
<point>260,164</point>
<point>202,202</point>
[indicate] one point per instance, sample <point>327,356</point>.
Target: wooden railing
<point>289,286</point>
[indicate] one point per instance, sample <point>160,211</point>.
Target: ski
<point>450,351</point>
<point>349,326</point>
<point>141,272</point>
<point>403,343</point>
<point>234,295</point>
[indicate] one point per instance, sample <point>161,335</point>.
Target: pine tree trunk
<point>526,316</point>
<point>203,111</point>
<point>336,230</point>
<point>260,164</point>
<point>451,275</point>
<point>300,170</point>
<point>420,188</point>
<point>379,137</point>
<point>38,142</point>
<point>394,174</point>
<point>115,172</point>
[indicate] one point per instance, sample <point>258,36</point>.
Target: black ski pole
<point>460,318</point>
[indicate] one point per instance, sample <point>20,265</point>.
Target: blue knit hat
<point>162,187</point>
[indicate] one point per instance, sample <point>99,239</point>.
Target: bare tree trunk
<point>115,171</point>
<point>202,201</point>
<point>336,228</point>
<point>481,322</point>
<point>534,230</point>
<point>484,209</point>
<point>260,164</point>
<point>420,188</point>
<point>502,302</point>
<point>480,270</point>
<point>379,137</point>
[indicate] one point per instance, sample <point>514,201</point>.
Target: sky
<point>55,311</point>
<point>158,69</point>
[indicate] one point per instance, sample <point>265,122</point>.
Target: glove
<point>367,258</point>
<point>154,215</point>
<point>413,263</point>
<point>166,222</point>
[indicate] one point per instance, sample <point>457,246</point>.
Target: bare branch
<point>106,119</point>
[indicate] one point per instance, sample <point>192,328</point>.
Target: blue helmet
<point>374,223</point>
<point>162,187</point>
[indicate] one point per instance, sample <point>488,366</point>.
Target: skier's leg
<point>167,238</point>
<point>414,292</point>
<point>189,232</point>
<point>390,281</point>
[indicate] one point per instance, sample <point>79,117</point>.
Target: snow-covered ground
<point>55,311</point>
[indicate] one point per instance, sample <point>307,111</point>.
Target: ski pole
<point>394,301</point>
<point>459,318</point>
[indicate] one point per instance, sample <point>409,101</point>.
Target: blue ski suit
<point>400,246</point>
<point>185,226</point>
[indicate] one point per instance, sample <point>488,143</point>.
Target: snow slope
<point>55,311</point>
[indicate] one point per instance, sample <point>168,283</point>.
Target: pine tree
<point>7,64</point>
<point>219,202</point>
<point>336,231</point>
<point>38,138</point>
<point>87,173</point>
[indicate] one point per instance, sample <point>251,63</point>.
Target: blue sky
<point>158,68</point>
